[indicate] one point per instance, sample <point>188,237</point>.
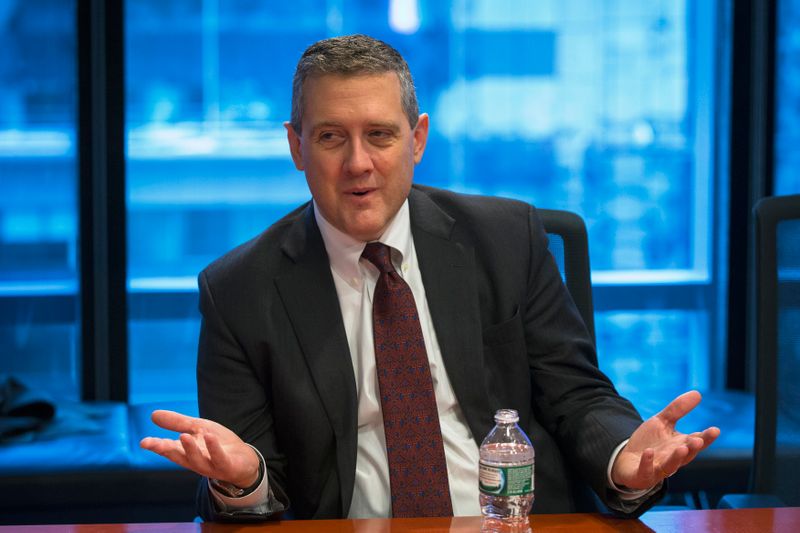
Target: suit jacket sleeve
<point>230,393</point>
<point>575,402</point>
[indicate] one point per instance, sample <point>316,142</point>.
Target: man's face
<point>357,149</point>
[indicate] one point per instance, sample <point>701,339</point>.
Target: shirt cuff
<point>258,501</point>
<point>625,494</point>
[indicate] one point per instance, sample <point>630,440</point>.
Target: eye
<point>381,136</point>
<point>329,137</point>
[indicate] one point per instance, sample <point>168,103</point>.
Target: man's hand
<point>656,451</point>
<point>208,448</point>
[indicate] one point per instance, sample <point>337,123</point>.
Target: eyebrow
<point>325,124</point>
<point>334,124</point>
<point>388,125</point>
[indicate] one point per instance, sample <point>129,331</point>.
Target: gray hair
<point>352,55</point>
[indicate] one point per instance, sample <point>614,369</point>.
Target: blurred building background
<point>615,109</point>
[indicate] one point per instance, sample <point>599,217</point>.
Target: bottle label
<point>506,480</point>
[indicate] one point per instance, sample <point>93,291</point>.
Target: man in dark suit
<point>291,410</point>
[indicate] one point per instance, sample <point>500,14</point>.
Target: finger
<point>216,453</point>
<point>175,421</point>
<point>698,442</point>
<point>694,445</point>
<point>647,466</point>
<point>680,406</point>
<point>167,448</point>
<point>158,445</point>
<point>709,436</point>
<point>674,461</point>
<point>195,451</point>
<point>149,443</point>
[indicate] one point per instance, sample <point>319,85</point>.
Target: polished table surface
<point>730,520</point>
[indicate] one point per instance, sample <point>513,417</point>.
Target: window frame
<point>101,200</point>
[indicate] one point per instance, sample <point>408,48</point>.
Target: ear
<point>294,146</point>
<point>420,137</point>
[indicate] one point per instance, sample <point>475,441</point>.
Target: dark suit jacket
<point>274,364</point>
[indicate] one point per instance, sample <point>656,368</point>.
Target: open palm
<point>656,451</point>
<point>205,447</point>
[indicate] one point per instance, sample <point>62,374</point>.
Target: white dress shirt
<point>355,281</point>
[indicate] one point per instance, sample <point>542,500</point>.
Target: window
<point>39,325</point>
<point>787,105</point>
<point>207,166</point>
<point>601,108</point>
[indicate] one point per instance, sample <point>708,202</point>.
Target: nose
<point>358,159</point>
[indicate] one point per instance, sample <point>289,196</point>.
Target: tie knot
<point>379,255</point>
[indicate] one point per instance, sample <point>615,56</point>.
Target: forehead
<point>333,96</point>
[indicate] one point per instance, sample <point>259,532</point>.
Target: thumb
<point>679,407</point>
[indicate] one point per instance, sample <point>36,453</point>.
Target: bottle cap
<point>506,416</point>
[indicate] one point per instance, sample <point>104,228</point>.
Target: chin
<point>368,237</point>
<point>366,232</point>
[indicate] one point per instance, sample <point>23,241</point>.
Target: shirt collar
<point>344,251</point>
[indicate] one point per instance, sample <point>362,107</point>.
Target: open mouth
<point>361,192</point>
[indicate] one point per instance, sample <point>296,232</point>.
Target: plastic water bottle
<point>506,471</point>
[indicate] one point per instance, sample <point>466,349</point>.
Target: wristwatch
<point>232,491</point>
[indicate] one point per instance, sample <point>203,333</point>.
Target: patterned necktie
<point>417,467</point>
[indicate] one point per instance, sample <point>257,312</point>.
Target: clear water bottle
<point>506,471</point>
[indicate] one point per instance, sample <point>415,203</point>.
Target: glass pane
<point>668,344</point>
<point>590,112</point>
<point>603,108</point>
<point>787,106</point>
<point>39,328</point>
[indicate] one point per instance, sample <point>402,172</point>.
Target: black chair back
<point>569,245</point>
<point>776,468</point>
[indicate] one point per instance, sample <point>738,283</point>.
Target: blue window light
<point>604,110</point>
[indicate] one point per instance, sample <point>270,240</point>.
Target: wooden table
<point>738,521</point>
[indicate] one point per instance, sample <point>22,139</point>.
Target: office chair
<point>776,466</point>
<point>568,243</point>
<point>570,247</point>
<point>775,478</point>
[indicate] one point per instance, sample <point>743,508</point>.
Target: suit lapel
<point>448,273</point>
<point>309,296</point>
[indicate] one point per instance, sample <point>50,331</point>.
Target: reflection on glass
<point>38,207</point>
<point>594,107</point>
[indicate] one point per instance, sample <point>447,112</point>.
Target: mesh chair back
<point>777,446</point>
